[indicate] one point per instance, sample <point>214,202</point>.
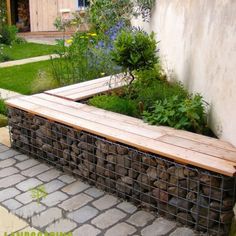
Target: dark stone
<point>152,173</point>
<point>185,218</point>
<point>210,180</point>
<point>122,150</point>
<point>123,161</point>
<point>111,158</point>
<point>121,170</point>
<point>86,146</point>
<point>127,180</point>
<point>122,187</point>
<point>160,195</point>
<point>47,148</point>
<point>213,193</point>
<point>178,192</point>
<point>182,204</point>
<point>133,174</point>
<point>160,184</point>
<point>226,217</point>
<point>149,161</point>
<point>66,154</point>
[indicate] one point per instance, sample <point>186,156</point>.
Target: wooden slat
<point>146,144</point>
<point>200,147</point>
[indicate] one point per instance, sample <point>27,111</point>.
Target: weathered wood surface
<point>90,88</point>
<point>181,146</point>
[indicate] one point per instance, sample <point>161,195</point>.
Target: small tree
<point>135,50</point>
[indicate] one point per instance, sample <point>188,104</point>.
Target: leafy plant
<point>135,50</point>
<point>8,34</point>
<point>188,114</point>
<point>115,104</point>
<point>3,107</point>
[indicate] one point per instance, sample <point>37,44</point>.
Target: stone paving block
<point>28,229</point>
<point>8,171</point>
<point>75,188</point>
<point>26,164</point>
<point>109,218</point>
<point>123,229</point>
<point>7,163</point>
<point>11,204</point>
<point>11,180</point>
<point>25,198</point>
<point>49,175</point>
<point>127,207</point>
<point>83,214</point>
<point>8,193</point>
<point>159,227</point>
<point>53,186</point>
<point>105,202</point>
<point>54,198</point>
<point>140,218</point>
<point>86,230</point>
<point>94,192</point>
<point>10,222</point>
<point>67,179</point>
<point>35,170</point>
<point>28,184</point>
<point>182,231</point>
<point>7,154</point>
<point>46,217</point>
<point>3,148</point>
<point>21,157</point>
<point>63,225</point>
<point>30,210</point>
<point>75,202</point>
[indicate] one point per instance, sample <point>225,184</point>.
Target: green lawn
<point>26,50</point>
<point>28,78</point>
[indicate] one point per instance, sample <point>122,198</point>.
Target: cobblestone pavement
<point>70,206</point>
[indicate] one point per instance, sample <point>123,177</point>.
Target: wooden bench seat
<point>181,146</point>
<point>90,88</point>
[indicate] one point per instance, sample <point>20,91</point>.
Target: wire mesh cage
<point>192,196</point>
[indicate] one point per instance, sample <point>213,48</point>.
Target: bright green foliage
<point>3,14</point>
<point>188,114</point>
<point>3,107</point>
<point>115,104</point>
<point>135,50</point>
<point>8,34</point>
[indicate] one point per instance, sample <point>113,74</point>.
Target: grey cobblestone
<point>160,227</point>
<point>26,164</point>
<point>11,180</point>
<point>94,192</point>
<point>127,207</point>
<point>67,179</point>
<point>63,225</point>
<point>7,154</point>
<point>49,175</point>
<point>29,210</point>
<point>109,218</point>
<point>75,188</point>
<point>75,202</point>
<point>87,230</point>
<point>140,218</point>
<point>28,184</point>
<point>83,214</point>
<point>11,204</point>
<point>123,229</point>
<point>3,148</point>
<point>53,186</point>
<point>25,198</point>
<point>54,198</point>
<point>8,171</point>
<point>183,232</point>
<point>8,193</point>
<point>7,163</point>
<point>21,157</point>
<point>46,217</point>
<point>35,170</point>
<point>105,202</point>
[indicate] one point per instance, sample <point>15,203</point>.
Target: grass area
<point>27,50</point>
<point>27,79</point>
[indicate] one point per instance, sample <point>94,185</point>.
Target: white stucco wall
<point>198,45</point>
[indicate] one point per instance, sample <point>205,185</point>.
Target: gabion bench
<point>178,174</point>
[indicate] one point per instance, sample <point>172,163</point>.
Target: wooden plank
<point>146,144</point>
<point>37,100</point>
<point>200,147</point>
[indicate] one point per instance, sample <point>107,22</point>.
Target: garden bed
<point>178,174</point>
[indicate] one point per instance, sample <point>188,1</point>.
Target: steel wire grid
<point>193,196</point>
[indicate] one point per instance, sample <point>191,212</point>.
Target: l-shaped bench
<point>180,174</point>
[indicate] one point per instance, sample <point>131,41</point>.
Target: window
<point>83,3</point>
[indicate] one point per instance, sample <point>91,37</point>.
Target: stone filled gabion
<point>192,196</point>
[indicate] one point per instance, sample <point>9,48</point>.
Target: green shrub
<point>115,104</point>
<point>3,107</point>
<point>8,34</point>
<point>180,113</point>
<point>4,57</point>
<point>3,120</point>
<point>135,50</point>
